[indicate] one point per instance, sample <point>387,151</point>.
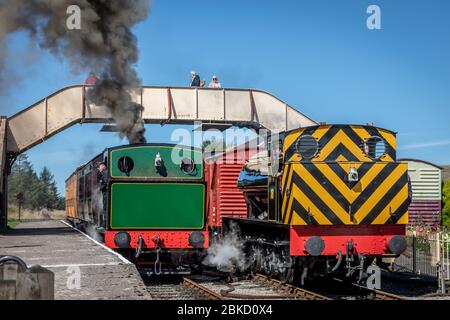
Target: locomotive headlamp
<point>353,175</point>
<point>187,165</point>
<point>397,245</point>
<point>122,239</point>
<point>315,246</point>
<point>197,239</point>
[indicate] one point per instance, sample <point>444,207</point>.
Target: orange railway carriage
<point>71,196</point>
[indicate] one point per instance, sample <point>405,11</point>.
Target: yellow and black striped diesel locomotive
<point>337,201</point>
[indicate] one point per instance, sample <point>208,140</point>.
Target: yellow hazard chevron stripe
<point>340,141</point>
<point>314,194</point>
<point>316,191</point>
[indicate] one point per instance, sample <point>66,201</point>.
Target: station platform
<point>58,247</point>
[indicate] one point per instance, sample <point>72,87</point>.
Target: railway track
<point>303,294</point>
<point>379,295</point>
<point>295,292</point>
<point>211,295</point>
<point>261,287</point>
<point>171,289</point>
<point>258,287</point>
<point>369,294</point>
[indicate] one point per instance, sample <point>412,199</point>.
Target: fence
<point>427,254</point>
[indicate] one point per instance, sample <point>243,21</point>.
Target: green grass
<point>27,214</point>
<point>13,223</point>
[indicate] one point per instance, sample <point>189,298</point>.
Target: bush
<point>446,205</point>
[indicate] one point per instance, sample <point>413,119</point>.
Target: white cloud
<point>430,144</point>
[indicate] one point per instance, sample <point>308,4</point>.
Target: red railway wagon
<point>224,199</point>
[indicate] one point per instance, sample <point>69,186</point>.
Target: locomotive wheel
<point>287,276</point>
<point>257,259</point>
<point>267,267</point>
<point>285,270</point>
<point>270,263</point>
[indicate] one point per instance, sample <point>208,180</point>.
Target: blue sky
<point>318,56</point>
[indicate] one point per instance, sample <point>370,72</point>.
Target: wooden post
<point>8,271</point>
<point>8,276</point>
<point>414,253</point>
<point>3,175</point>
<point>7,290</point>
<point>435,249</point>
<point>37,283</point>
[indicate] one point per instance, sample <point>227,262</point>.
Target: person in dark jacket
<point>91,80</point>
<point>102,178</point>
<point>410,193</point>
<point>195,79</point>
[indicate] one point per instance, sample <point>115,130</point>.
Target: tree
<point>213,146</point>
<point>446,202</point>
<point>47,193</point>
<point>38,191</point>
<point>23,180</point>
<point>61,203</point>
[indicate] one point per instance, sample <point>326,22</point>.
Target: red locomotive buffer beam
<point>366,239</point>
<point>162,239</point>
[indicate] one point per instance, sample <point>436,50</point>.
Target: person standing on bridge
<point>195,79</point>
<point>91,80</point>
<point>214,83</point>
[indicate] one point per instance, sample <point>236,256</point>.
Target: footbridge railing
<point>161,105</point>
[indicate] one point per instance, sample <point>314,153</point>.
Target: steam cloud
<point>104,44</point>
<point>227,254</point>
<point>92,232</point>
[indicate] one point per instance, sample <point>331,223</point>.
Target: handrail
<point>68,106</point>
<point>22,265</point>
<point>250,90</point>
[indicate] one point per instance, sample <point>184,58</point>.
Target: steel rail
<point>375,294</point>
<point>381,295</point>
<point>201,289</point>
<point>229,294</point>
<point>295,292</point>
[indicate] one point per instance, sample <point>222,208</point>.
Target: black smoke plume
<point>105,45</point>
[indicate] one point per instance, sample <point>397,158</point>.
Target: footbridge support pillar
<point>3,175</point>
